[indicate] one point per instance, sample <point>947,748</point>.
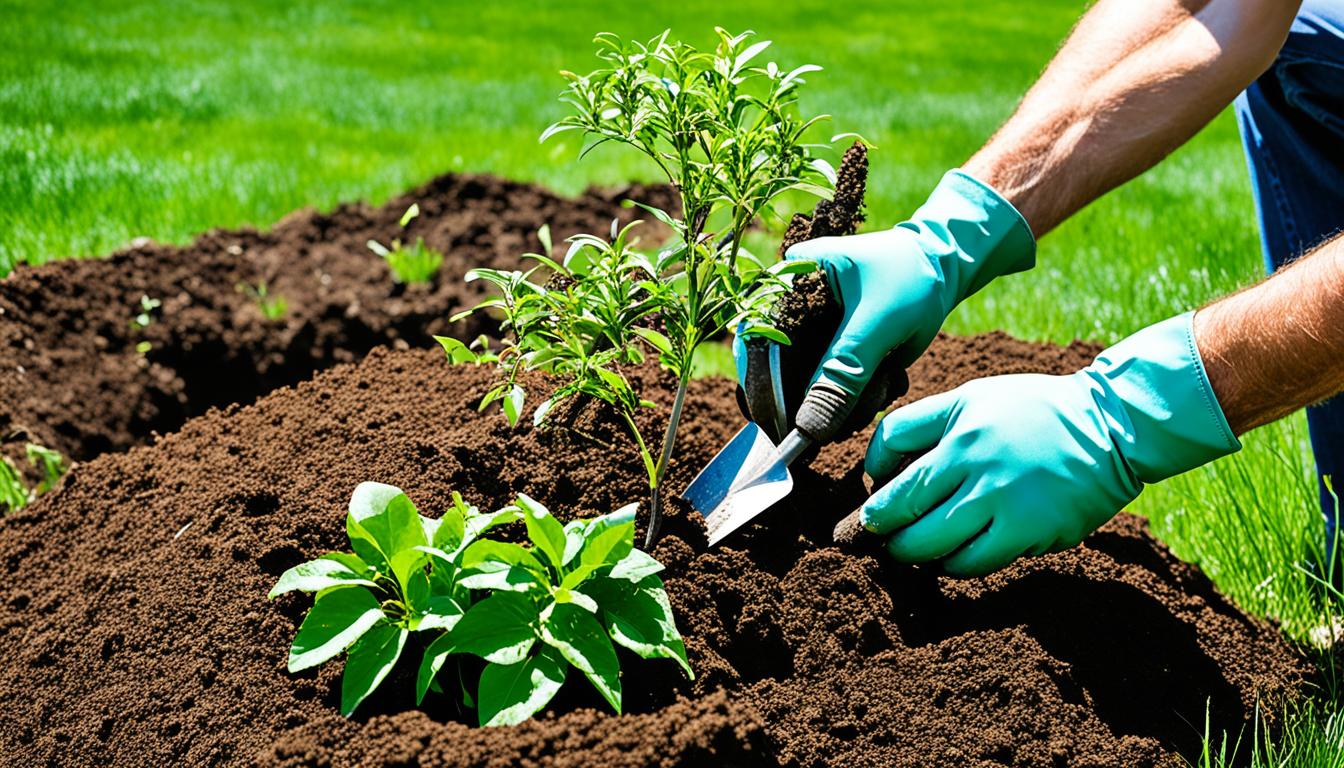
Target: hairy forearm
<point>1134,81</point>
<point>1279,346</point>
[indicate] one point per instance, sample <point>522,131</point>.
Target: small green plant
<point>414,264</point>
<point>14,493</point>
<point>273,307</point>
<point>725,131</point>
<point>148,308</point>
<point>528,611</point>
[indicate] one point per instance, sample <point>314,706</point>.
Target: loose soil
<point>133,608</point>
<point>138,633</point>
<point>70,375</point>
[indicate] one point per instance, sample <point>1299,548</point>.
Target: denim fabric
<point>1292,125</point>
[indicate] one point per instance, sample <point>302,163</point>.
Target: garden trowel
<point>751,473</point>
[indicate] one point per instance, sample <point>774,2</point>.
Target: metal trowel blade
<point>746,478</point>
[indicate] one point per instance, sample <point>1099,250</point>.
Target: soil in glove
<point>137,632</point>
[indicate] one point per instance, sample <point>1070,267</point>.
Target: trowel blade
<point>746,478</point>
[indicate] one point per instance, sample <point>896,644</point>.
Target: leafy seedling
<point>529,612</point>
<point>273,307</point>
<point>369,601</point>
<point>566,600</point>
<point>725,130</point>
<point>414,264</point>
<point>14,493</point>
<point>148,309</point>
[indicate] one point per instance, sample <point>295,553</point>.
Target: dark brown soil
<point>137,632</point>
<point>70,376</point>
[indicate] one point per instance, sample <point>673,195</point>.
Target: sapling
<point>528,611</point>
<point>416,263</point>
<point>725,131</point>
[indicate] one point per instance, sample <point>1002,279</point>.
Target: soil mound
<point>138,633</point>
<point>72,379</point>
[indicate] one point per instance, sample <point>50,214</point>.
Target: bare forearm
<point>1135,80</point>
<point>1278,346</point>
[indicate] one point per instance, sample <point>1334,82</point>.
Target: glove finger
<point>740,355</point>
<point>915,427</point>
<point>925,484</point>
<point>820,250</point>
<point>940,532</point>
<point>990,551</point>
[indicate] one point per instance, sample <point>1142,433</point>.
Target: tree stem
<point>669,440</point>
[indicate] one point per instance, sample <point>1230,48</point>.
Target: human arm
<point>1026,464</point>
<point>1134,81</point>
<point>1278,346</point>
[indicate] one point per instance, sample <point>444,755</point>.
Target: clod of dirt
<point>810,315</point>
<point>70,375</point>
<point>138,632</point>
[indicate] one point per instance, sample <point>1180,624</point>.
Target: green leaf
<point>337,619</point>
<point>456,351</point>
<point>657,340</point>
<point>370,499</point>
<point>405,564</point>
<point>510,694</point>
<point>574,597</point>
<point>410,213</point>
<point>495,560</point>
<point>442,612</point>
<point>577,635</point>
<point>452,528</point>
<point>364,545</point>
<point>639,617</point>
<point>635,566</point>
<point>436,653</point>
<point>368,663</point>
<point>767,332</point>
<point>499,629</point>
<point>609,540</point>
<point>322,573</point>
<point>545,532</point>
<point>513,404</point>
<point>389,519</point>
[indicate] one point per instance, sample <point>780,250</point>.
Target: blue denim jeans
<point>1292,125</point>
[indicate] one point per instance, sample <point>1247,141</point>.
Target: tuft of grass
<point>272,306</point>
<point>414,264</point>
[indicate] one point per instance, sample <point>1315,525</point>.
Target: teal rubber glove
<point>1026,464</point>
<point>898,286</point>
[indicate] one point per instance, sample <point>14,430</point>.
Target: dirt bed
<point>72,379</point>
<point>134,606</point>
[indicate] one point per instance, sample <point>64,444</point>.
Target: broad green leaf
<point>405,564</point>
<point>509,694</point>
<point>338,618</point>
<point>567,595</point>
<point>368,663</point>
<point>397,527</point>
<point>639,617</point>
<point>768,332</point>
<point>370,499</point>
<point>364,545</point>
<point>635,566</point>
<point>578,636</point>
<point>513,404</point>
<point>545,532</point>
<point>574,538</point>
<point>479,524</point>
<point>319,574</point>
<point>501,628</point>
<point>436,653</point>
<point>508,578</point>
<point>486,555</point>
<point>430,526</point>
<point>442,612</point>
<point>452,528</point>
<point>456,351</point>
<point>608,545</point>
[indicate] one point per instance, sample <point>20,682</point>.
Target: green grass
<point>165,119</point>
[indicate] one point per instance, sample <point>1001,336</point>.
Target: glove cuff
<point>1175,421</point>
<point>973,233</point>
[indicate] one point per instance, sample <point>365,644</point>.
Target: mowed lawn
<point>164,119</point>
